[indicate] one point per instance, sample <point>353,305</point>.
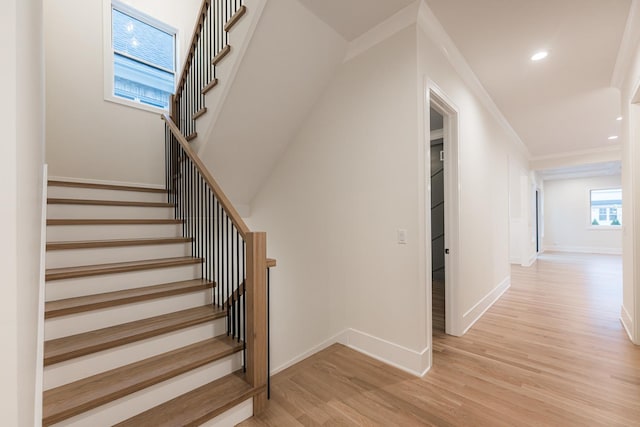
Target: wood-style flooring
<point>550,352</point>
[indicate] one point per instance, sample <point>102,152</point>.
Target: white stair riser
<point>233,416</point>
<point>69,288</point>
<point>99,194</point>
<point>91,256</point>
<point>92,364</point>
<point>60,233</point>
<point>138,402</point>
<point>72,324</point>
<point>62,211</point>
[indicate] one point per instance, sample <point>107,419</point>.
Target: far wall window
<point>143,58</point>
<point>606,207</point>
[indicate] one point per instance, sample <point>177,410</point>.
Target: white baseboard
<point>515,260</point>
<point>476,312</point>
<point>411,361</point>
<point>104,182</point>
<point>532,259</point>
<point>627,322</point>
<point>585,250</point>
<point>338,338</point>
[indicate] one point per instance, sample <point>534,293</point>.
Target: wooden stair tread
<point>133,221</point>
<point>117,267</point>
<point>197,406</point>
<point>220,55</point>
<point>213,83</point>
<point>57,201</point>
<point>74,398</point>
<point>235,18</point>
<point>82,304</point>
<point>86,244</point>
<point>56,183</point>
<point>61,349</point>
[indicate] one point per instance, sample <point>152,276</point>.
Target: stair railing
<point>210,37</point>
<point>234,258</point>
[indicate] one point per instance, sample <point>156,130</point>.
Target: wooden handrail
<point>204,8</point>
<point>222,198</point>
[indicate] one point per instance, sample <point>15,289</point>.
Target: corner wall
<point>21,154</point>
<point>352,176</point>
<point>567,215</point>
<point>88,137</point>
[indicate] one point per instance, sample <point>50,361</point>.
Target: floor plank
<point>550,352</point>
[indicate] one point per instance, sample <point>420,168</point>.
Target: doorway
<point>438,264</point>
<point>442,214</point>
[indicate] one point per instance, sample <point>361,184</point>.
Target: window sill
<point>604,227</point>
<point>136,105</point>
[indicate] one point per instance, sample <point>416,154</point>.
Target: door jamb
<point>437,98</point>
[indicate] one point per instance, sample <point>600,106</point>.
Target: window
<point>603,214</point>
<point>141,58</point>
<point>606,207</point>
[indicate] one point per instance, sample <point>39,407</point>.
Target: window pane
<point>140,82</point>
<point>603,214</point>
<point>142,41</point>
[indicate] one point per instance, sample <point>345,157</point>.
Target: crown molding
<point>387,28</point>
<point>429,23</point>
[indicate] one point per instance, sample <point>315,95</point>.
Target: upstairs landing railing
<point>209,44</point>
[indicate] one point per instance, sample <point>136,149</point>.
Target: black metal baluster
<point>238,278</point>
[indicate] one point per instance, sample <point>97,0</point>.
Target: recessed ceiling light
<point>539,55</point>
<point>619,118</point>
<point>613,137</point>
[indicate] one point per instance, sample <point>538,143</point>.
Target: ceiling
<point>562,104</point>
<point>352,18</point>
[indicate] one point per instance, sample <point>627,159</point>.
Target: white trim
<point>476,312</point>
<point>224,88</point>
<point>338,338</point>
<point>411,361</point>
<point>531,260</point>
<point>392,25</point>
<point>625,51</point>
<point>428,22</point>
<point>107,52</point>
<point>436,96</point>
<point>39,386</point>
<point>584,250</point>
<point>610,148</point>
<point>105,182</point>
<point>627,323</point>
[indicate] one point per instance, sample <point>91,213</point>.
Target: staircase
<point>132,336</point>
<point>156,299</point>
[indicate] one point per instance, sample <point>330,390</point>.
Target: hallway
<point>550,352</point>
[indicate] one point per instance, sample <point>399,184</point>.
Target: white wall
<point>21,157</point>
<point>88,137</point>
<point>352,176</point>
<point>568,215</point>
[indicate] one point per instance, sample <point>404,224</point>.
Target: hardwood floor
<point>550,352</point>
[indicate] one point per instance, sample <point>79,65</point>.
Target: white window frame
<point>601,227</point>
<point>109,57</point>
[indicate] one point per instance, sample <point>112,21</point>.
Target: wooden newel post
<point>256,295</point>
